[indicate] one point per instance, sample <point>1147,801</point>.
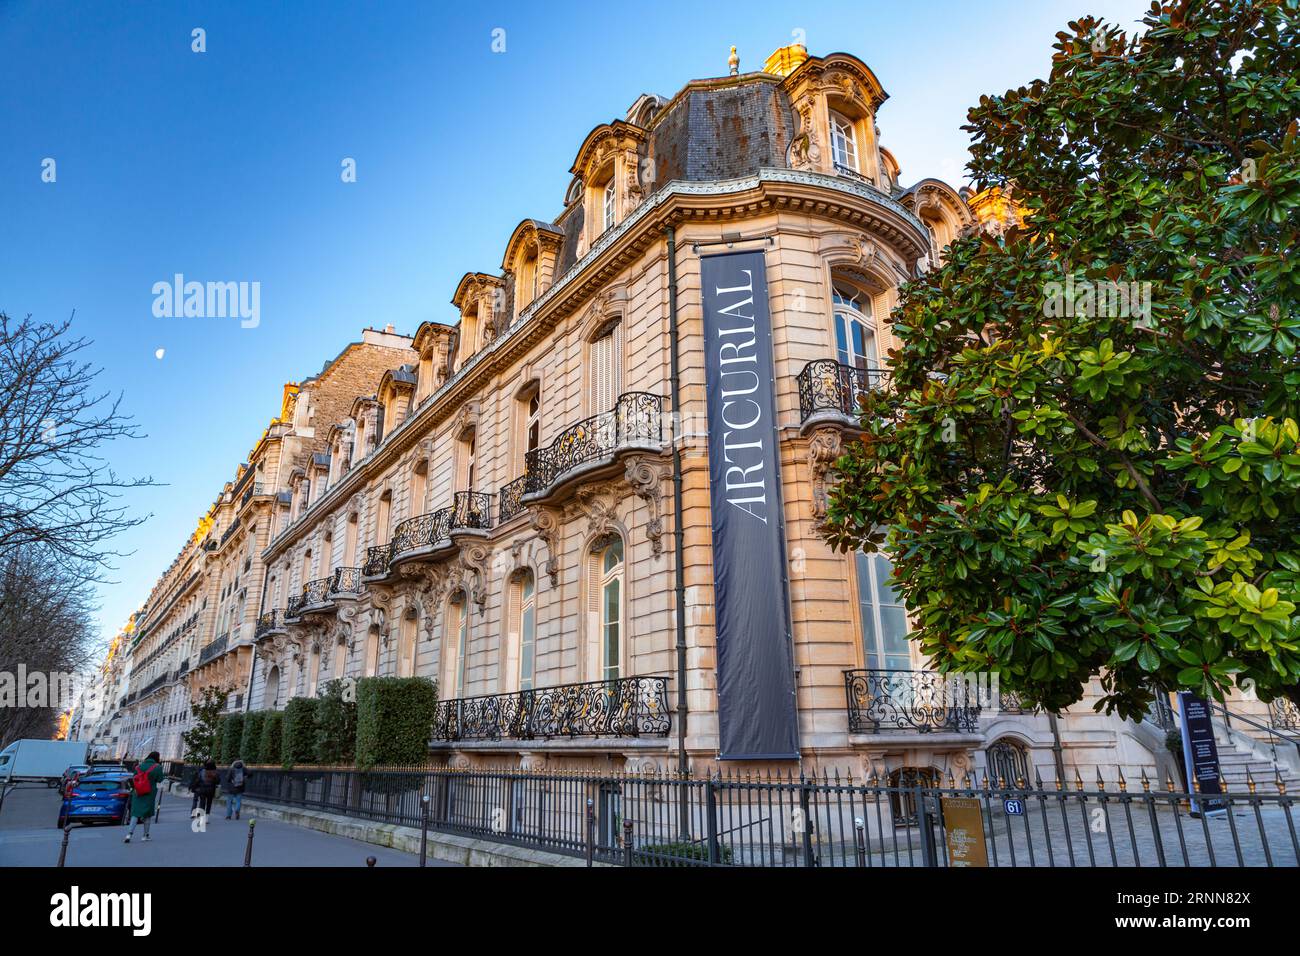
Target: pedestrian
<point>236,778</point>
<point>144,793</point>
<point>204,785</point>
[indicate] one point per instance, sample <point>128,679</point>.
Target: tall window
<point>844,143</point>
<point>406,647</point>
<point>462,643</point>
<point>350,541</point>
<point>313,670</point>
<point>884,619</point>
<point>419,487</point>
<point>525,624</point>
<point>533,421</point>
<point>855,336</point>
<point>382,519</point>
<point>609,594</point>
<point>469,460</point>
<point>608,204</point>
<point>605,368</point>
<point>371,667</point>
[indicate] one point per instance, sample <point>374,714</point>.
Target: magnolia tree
<point>1087,464</point>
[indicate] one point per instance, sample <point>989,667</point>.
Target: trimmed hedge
<point>251,744</point>
<point>394,720</point>
<point>298,744</point>
<point>272,737</point>
<point>232,738</point>
<point>336,723</point>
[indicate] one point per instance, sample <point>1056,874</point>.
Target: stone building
<point>498,503</point>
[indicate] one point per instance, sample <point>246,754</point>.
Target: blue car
<point>97,798</point>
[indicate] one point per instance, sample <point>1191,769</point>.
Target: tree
<point>336,722</point>
<point>1069,487</point>
<point>56,492</point>
<point>201,739</point>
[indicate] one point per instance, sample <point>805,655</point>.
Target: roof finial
<point>733,62</point>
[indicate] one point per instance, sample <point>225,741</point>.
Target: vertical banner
<point>1200,753</point>
<point>963,825</point>
<point>757,716</point>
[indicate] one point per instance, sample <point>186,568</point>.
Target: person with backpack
<point>204,785</point>
<point>144,793</point>
<point>236,779</point>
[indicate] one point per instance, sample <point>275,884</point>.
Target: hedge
<point>298,744</point>
<point>394,720</point>
<point>251,745</point>
<point>232,738</point>
<point>336,723</point>
<point>272,737</point>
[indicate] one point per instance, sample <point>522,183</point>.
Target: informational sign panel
<point>963,825</point>
<point>1200,754</point>
<point>757,718</point>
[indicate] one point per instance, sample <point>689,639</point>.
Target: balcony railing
<point>637,417</point>
<point>1283,714</point>
<point>346,581</point>
<point>214,649</point>
<point>377,559</point>
<point>470,511</point>
<point>914,701</point>
<point>254,489</point>
<point>270,621</point>
<point>315,592</point>
<point>829,386</point>
<point>511,499</point>
<point>293,607</point>
<point>626,707</point>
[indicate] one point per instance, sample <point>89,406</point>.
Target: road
<point>28,837</point>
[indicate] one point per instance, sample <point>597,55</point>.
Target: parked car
<point>72,773</point>
<point>97,797</point>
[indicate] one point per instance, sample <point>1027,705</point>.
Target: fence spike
<point>952,784</point>
<point>1146,783</point>
<point>1169,782</point>
<point>1101,784</point>
<point>1278,781</point>
<point>1123,784</point>
<point>1223,782</point>
<point>1250,780</point>
<point>1196,785</point>
<point>984,780</point>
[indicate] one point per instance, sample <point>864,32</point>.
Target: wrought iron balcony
<point>270,621</point>
<point>314,593</point>
<point>346,581</point>
<point>826,385</point>
<point>253,490</point>
<point>377,559</point>
<point>470,511</point>
<point>1283,714</point>
<point>636,418</point>
<point>511,502</point>
<point>292,608</point>
<point>914,701</point>
<point>626,707</point>
<point>214,649</point>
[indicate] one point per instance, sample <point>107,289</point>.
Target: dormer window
<point>844,144</point>
<point>608,204</point>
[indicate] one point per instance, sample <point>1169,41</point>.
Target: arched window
<point>882,615</point>
<point>607,604</point>
<point>522,639</point>
<point>1008,762</point>
<point>455,647</point>
<point>530,424</point>
<point>605,367</point>
<point>902,798</point>
<point>406,644</point>
<point>372,652</point>
<point>855,329</point>
<point>609,210</point>
<point>419,487</point>
<point>844,143</point>
<point>271,693</point>
<point>383,518</point>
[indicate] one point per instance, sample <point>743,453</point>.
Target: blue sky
<point>225,166</point>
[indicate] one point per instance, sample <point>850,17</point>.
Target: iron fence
<point>346,581</point>
<point>807,821</point>
<point>511,496</point>
<point>920,701</point>
<point>377,560</point>
<point>269,621</point>
<point>315,593</point>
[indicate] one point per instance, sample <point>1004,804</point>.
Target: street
<point>28,837</point>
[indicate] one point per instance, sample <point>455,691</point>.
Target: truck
<point>41,761</point>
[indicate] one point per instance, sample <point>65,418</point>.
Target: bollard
<point>859,837</point>
<point>371,861</point>
<point>591,831</point>
<point>248,847</point>
<point>627,843</point>
<point>63,850</point>
<point>424,829</point>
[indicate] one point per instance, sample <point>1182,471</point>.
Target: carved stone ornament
<point>824,447</point>
<point>645,479</point>
<point>600,504</point>
<point>546,522</point>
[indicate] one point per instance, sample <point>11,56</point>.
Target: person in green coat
<point>142,805</point>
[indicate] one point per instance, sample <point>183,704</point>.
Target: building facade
<point>516,503</point>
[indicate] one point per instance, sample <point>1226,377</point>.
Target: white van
<point>40,760</point>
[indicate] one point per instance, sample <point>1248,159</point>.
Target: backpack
<point>141,783</point>
<point>236,776</point>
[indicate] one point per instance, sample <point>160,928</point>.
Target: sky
<point>227,165</point>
